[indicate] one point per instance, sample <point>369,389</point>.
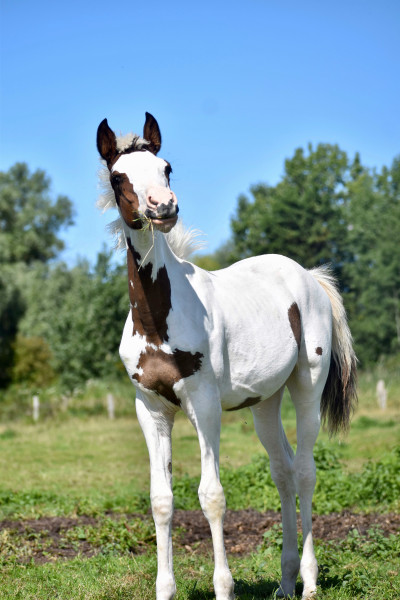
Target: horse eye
<point>168,170</point>
<point>115,177</point>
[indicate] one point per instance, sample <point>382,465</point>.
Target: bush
<point>32,362</point>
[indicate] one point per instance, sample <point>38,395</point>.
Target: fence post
<point>36,406</point>
<point>110,406</point>
<point>381,394</point>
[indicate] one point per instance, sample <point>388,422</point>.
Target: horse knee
<point>306,479</point>
<point>162,508</point>
<point>283,476</point>
<point>212,501</point>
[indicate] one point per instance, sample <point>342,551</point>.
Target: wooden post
<point>381,394</point>
<point>36,406</point>
<point>110,406</point>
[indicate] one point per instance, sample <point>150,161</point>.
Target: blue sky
<point>235,87</point>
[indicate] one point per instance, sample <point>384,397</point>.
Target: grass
<point>75,461</point>
<point>360,568</point>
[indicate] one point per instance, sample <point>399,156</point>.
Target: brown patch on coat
<point>318,351</point>
<point>247,402</point>
<point>150,300</point>
<point>150,306</point>
<point>161,370</point>
<point>295,322</point>
<point>127,199</point>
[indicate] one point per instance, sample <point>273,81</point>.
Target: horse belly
<point>257,361</point>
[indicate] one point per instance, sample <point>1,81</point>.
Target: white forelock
<point>130,140</point>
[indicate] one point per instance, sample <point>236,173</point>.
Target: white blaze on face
<point>145,171</point>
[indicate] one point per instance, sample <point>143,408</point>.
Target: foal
<point>206,342</point>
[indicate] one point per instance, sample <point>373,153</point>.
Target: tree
<point>221,258</point>
<point>301,217</point>
<point>32,362</point>
<point>11,310</point>
<point>29,219</point>
<point>84,310</point>
<point>29,223</point>
<point>373,297</point>
<point>328,210</point>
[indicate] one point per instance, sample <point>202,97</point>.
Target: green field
<point>78,464</point>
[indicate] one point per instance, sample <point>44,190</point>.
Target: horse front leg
<point>205,414</point>
<point>156,421</point>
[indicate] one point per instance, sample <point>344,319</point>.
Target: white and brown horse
<point>206,342</point>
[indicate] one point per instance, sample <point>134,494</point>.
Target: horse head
<point>139,178</point>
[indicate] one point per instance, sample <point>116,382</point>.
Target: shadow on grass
<point>244,590</point>
<point>264,590</point>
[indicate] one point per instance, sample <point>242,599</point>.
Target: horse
<point>203,342</point>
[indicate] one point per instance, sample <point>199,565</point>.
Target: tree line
<point>60,323</point>
<point>329,209</point>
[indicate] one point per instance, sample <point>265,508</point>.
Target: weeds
<point>376,487</point>
<point>115,536</point>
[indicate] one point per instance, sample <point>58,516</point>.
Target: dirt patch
<point>45,539</point>
<point>243,531</point>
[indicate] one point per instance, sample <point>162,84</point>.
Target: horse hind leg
<point>268,425</point>
<point>306,398</point>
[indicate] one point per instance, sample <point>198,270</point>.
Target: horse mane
<point>182,241</point>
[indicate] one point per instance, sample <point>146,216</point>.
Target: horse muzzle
<point>162,208</point>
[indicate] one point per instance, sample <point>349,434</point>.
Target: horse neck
<point>151,265</point>
<point>150,248</point>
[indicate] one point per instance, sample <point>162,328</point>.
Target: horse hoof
<point>281,594</point>
<point>309,594</point>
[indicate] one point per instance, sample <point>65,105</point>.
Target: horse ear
<point>106,142</point>
<point>151,133</point>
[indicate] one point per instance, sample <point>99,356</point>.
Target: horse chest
<point>154,367</point>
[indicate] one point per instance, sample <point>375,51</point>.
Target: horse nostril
<point>151,201</point>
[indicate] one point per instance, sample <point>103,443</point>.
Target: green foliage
<point>12,308</point>
<point>373,295</point>
<point>381,481</point>
<point>108,536</point>
<point>115,536</point>
<point>127,577</point>
<point>326,209</point>
<point>29,223</point>
<point>34,503</point>
<point>376,487</point>
<point>301,217</point>
<point>250,485</point>
<point>221,258</point>
<point>272,540</point>
<point>359,566</point>
<point>207,262</point>
<point>85,310</point>
<point>29,219</point>
<point>32,362</point>
<point>71,459</point>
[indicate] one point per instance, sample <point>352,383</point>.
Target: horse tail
<point>339,398</point>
